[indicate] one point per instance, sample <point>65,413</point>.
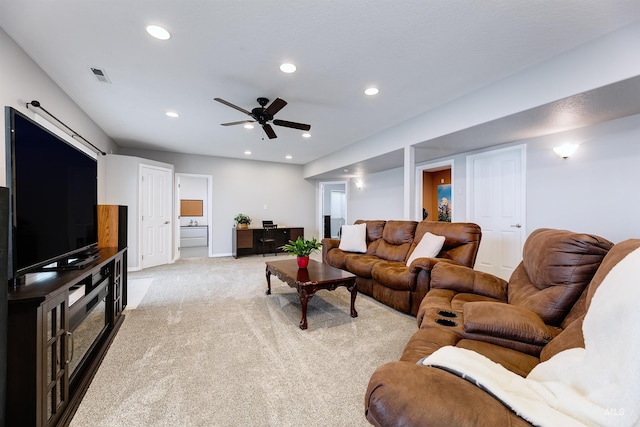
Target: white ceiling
<point>420,53</point>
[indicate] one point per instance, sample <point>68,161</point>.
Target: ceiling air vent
<point>101,75</point>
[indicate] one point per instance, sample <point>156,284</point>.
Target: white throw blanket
<point>598,385</point>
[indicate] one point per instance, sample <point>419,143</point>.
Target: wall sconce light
<point>359,185</point>
<point>565,151</point>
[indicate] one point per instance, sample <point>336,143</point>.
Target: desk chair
<point>268,236</point>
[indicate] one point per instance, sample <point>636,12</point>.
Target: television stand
<point>46,378</point>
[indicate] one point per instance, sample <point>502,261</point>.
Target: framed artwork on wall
<point>444,202</point>
<point>190,207</point>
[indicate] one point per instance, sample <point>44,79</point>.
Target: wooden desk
<point>245,241</point>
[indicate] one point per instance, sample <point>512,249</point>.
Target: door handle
<point>166,222</point>
<point>516,226</point>
<point>70,347</point>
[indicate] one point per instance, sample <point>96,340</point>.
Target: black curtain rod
<point>37,105</point>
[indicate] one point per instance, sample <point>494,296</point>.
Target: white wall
<point>595,191</point>
<point>381,196</point>
<point>22,81</point>
<point>245,186</point>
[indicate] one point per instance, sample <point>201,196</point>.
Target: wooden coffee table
<point>307,281</point>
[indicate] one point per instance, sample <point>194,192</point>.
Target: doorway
<point>194,215</point>
<point>496,200</point>
<point>333,208</point>
<point>435,195</point>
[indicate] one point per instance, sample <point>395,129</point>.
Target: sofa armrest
<point>463,279</point>
<point>406,394</point>
<point>505,321</point>
<point>328,244</point>
<point>427,264</point>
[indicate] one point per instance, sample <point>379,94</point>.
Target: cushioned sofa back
<point>571,336</point>
<point>556,267</point>
<point>374,228</point>
<point>374,233</point>
<point>462,239</point>
<point>397,238</point>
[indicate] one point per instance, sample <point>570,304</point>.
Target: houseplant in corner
<point>242,220</point>
<point>302,248</point>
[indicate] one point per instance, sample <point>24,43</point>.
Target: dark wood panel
<point>245,241</point>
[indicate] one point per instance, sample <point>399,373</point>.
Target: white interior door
<point>156,215</point>
<point>496,190</point>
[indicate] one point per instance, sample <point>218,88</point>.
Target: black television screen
<point>54,196</point>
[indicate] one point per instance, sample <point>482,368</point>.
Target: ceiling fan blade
<point>228,104</point>
<point>294,125</point>
<point>277,105</point>
<point>269,131</point>
<point>237,123</point>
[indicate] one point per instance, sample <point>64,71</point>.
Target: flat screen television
<point>53,192</point>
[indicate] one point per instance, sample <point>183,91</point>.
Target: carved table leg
<point>268,274</point>
<point>354,291</point>
<point>304,299</point>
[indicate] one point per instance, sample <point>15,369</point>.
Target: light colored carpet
<point>207,347</point>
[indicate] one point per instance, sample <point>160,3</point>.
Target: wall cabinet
<point>60,325</point>
<point>245,240</point>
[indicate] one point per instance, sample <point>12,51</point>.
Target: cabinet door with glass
<point>57,352</point>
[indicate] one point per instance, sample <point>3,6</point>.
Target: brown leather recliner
<point>382,271</point>
<point>557,265</point>
<point>404,393</point>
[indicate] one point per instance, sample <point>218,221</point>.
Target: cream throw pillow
<point>428,247</point>
<point>354,238</point>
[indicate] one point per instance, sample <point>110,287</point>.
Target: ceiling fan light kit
<point>264,116</point>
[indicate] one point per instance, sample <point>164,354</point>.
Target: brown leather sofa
<point>382,272</point>
<point>405,393</point>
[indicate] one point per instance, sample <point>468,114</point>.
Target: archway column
<point>409,196</point>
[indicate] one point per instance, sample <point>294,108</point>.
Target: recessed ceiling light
<point>158,32</point>
<point>248,126</point>
<point>371,91</point>
<point>247,152</point>
<point>288,157</point>
<point>306,135</point>
<point>288,68</point>
<point>172,114</point>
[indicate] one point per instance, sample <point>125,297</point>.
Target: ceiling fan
<point>264,115</point>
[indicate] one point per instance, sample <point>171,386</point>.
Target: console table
<point>60,325</point>
<point>245,240</point>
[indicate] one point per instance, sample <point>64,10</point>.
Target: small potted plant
<point>302,248</point>
<point>242,220</point>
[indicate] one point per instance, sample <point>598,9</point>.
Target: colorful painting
<point>444,202</point>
